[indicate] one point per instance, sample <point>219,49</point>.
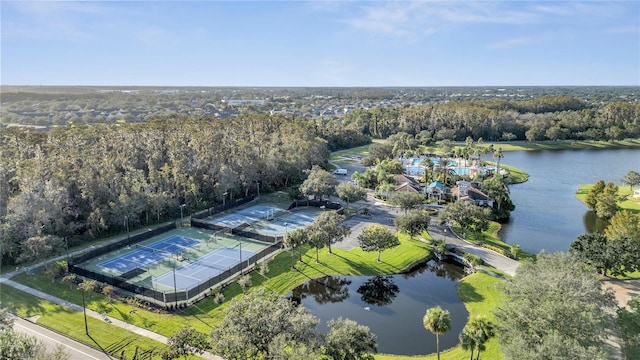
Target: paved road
<point>490,257</point>
<point>383,214</point>
<point>51,339</point>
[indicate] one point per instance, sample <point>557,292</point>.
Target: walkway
<point>490,257</point>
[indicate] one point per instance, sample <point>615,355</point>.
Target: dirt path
<point>624,290</point>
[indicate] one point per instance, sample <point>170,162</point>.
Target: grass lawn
<point>103,335</point>
<point>563,145</point>
<point>280,278</point>
<point>481,296</point>
<point>476,291</point>
<point>339,156</point>
<point>628,202</point>
<point>490,240</point>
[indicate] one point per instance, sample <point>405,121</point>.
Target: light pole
<point>286,240</point>
<point>126,225</point>
<point>84,310</point>
<point>241,266</point>
<point>175,287</point>
<point>224,199</point>
<point>181,214</point>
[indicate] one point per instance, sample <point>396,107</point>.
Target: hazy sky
<point>320,43</point>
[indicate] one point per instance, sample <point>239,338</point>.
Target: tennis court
<point>145,255</point>
<point>284,224</point>
<point>204,268</point>
<point>249,215</point>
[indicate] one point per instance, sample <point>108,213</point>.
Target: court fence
<point>128,241</point>
<point>239,231</point>
<point>178,297</point>
<point>218,209</point>
<point>317,203</point>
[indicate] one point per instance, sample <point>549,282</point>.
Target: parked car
<point>340,172</point>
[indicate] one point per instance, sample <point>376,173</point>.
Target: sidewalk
<point>490,257</point>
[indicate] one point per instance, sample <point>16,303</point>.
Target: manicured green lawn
<point>280,278</point>
<point>481,296</point>
<point>102,334</point>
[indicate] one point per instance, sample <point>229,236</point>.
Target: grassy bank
<point>490,240</point>
<point>564,145</point>
<point>481,296</point>
<point>628,202</point>
<point>102,335</point>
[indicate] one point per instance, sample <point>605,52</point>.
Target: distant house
<point>436,190</point>
<point>466,191</point>
<point>405,183</point>
<point>636,193</point>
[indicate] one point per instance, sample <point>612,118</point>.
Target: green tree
<point>318,183</point>
<point>252,323</point>
<point>623,223</point>
<point>592,197</point>
<point>428,166</point>
<point>438,321</point>
<point>186,342</point>
<point>629,325</point>
<point>607,202</point>
<point>406,200</point>
<point>347,340</point>
<point>554,308</point>
<point>295,239</point>
<point>350,193</point>
<point>89,286</point>
<point>481,330</point>
<point>607,256</point>
<point>498,155</point>
<point>328,226</point>
<point>632,178</point>
<point>467,339</point>
<point>469,216</point>
<point>413,222</point>
<point>376,237</point>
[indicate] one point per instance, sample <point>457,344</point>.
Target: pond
<point>391,306</point>
<point>548,216</point>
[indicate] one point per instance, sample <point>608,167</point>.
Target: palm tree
<point>498,155</point>
<point>428,164</point>
<point>483,330</point>
<point>438,321</point>
<point>468,340</point>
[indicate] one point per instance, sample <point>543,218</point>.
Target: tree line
<point>84,182</point>
<point>544,118</point>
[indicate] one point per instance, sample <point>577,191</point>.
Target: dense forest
<point>544,118</point>
<point>81,181</point>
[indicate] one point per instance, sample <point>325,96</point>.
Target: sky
<point>320,43</point>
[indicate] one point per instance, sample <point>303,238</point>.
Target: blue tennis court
<point>206,267</point>
<point>145,255</point>
<point>248,215</point>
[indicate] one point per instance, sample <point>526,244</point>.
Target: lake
<point>391,306</point>
<point>548,215</point>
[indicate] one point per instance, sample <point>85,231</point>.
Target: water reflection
<point>328,289</point>
<point>391,306</point>
<point>593,223</point>
<point>378,290</point>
